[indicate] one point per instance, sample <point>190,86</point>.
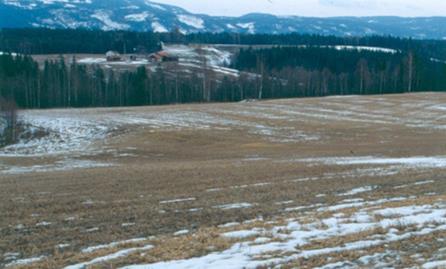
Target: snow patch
<point>178,200</point>
<point>358,191</point>
<point>250,26</point>
<point>139,17</point>
<point>158,27</point>
<point>112,245</point>
<point>414,162</point>
<point>108,24</point>
<point>255,253</point>
<point>64,165</point>
<point>22,262</point>
<point>241,234</point>
<point>192,21</point>
<point>181,232</point>
<point>116,255</point>
<point>233,206</point>
<point>434,265</point>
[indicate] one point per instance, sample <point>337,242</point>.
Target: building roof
<point>111,53</point>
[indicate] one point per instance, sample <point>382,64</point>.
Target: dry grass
<point>173,164</point>
<point>342,240</point>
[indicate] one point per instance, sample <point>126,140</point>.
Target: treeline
<point>318,71</point>
<point>59,41</point>
<point>59,84</point>
<point>276,72</point>
<point>48,41</point>
<point>268,73</point>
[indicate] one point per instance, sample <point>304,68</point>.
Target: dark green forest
<point>316,71</point>
<point>276,72</point>
<point>61,85</point>
<point>54,41</point>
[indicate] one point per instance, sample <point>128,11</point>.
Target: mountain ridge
<point>145,15</point>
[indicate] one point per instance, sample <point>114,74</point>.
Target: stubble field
<point>330,182</point>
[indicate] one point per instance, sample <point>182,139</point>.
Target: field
<point>335,182</point>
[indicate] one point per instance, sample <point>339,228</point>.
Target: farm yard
<point>334,182</point>
<point>189,58</point>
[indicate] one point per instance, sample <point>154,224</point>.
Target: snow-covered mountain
<point>145,15</point>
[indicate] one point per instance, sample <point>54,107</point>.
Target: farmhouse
<point>162,56</point>
<point>113,56</point>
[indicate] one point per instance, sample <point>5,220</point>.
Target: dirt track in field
<point>153,171</point>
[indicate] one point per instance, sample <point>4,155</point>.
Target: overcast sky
<point>319,8</point>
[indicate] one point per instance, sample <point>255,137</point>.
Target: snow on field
<point>62,131</point>
<point>24,261</point>
<point>245,186</point>
<point>183,51</point>
<point>11,256</point>
<point>217,69</point>
<point>190,54</point>
<point>229,224</point>
<point>355,109</point>
<point>64,165</point>
<point>241,234</point>
<point>112,245</point>
<point>218,57</point>
<point>418,161</point>
<point>364,48</point>
<point>396,224</point>
<point>181,200</point>
<point>415,162</point>
<point>434,265</point>
<point>357,203</point>
<point>441,107</point>
<point>358,191</point>
<point>103,61</point>
<point>116,255</point>
<point>181,232</point>
<point>60,134</point>
<point>85,132</point>
<point>414,184</point>
<point>233,206</point>
<point>90,60</point>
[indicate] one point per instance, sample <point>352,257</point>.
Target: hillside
<point>354,181</point>
<point>145,15</point>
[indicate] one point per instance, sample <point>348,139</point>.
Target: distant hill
<point>145,15</point>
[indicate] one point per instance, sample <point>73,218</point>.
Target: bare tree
<point>261,77</point>
<point>410,70</point>
<point>8,122</point>
<point>364,75</point>
<point>206,75</point>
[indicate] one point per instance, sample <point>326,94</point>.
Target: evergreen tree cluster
<point>57,41</point>
<point>270,71</point>
<point>319,71</point>
<point>59,85</point>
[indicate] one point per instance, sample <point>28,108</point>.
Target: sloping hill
<point>145,15</point>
